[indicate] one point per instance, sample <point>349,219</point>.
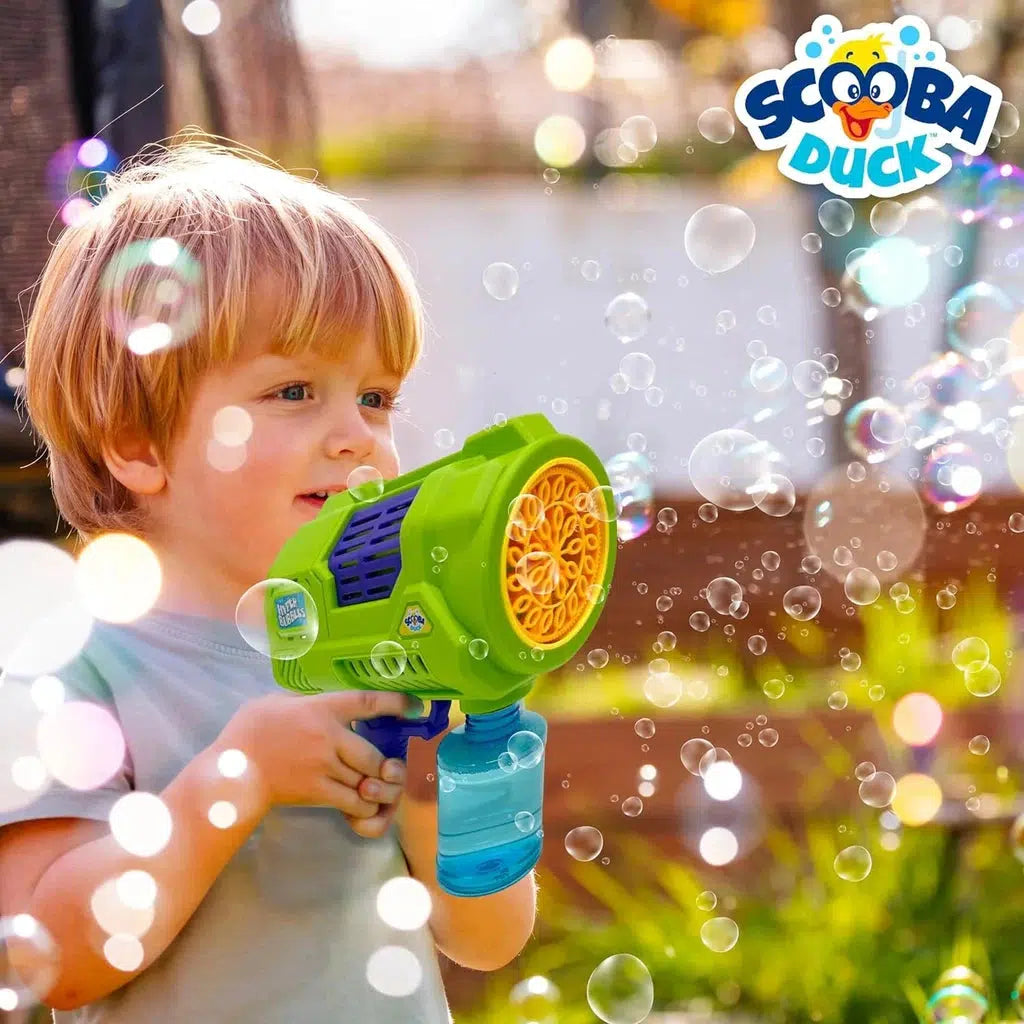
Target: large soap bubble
<point>732,469</point>
<point>719,237</point>
<point>279,618</point>
<point>881,511</point>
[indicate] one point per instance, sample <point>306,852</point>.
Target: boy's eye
<point>291,389</point>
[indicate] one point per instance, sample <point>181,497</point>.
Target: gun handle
<point>391,735</point>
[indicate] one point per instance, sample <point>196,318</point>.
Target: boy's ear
<point>132,460</point>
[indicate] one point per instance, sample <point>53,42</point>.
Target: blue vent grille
<point>367,559</point>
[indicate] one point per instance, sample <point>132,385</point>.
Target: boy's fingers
<point>381,792</point>
<point>348,801</point>
<point>355,705</point>
<point>371,828</point>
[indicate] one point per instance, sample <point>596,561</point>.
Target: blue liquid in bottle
<point>490,800</point>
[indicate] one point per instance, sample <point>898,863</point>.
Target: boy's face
<point>314,420</point>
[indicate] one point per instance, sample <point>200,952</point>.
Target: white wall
<point>549,341</point>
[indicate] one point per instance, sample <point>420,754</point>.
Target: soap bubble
<point>620,990</point>
<point>1001,192</point>
<point>388,658</point>
<point>638,369</point>
<point>719,934</point>
<point>779,496</point>
<point>629,475</point>
<point>692,752</point>
<point>501,280</point>
<point>278,618</point>
<point>877,789</point>
<point>365,483</point>
<point>771,560</point>
<point>39,962</point>
<point>971,654</point>
<point>536,1000</point>
<point>153,294</point>
<point>76,176</point>
<point>802,603</point>
<point>757,644</point>
<point>719,237</point>
<point>627,317</point>
<point>809,378</point>
<point>873,429</point>
<point>862,586</point>
<point>525,512</point>
<point>883,511</point>
<point>836,216</point>
<point>584,842</point>
<point>731,468</point>
<point>887,217</point>
<point>811,242</point>
<point>1007,124</point>
<point>525,821</point>
<point>700,622</point>
<point>640,132</point>
<point>951,477</point>
<point>978,745</point>
<point>537,572</point>
<point>707,901</point>
<point>984,681</point>
<point>724,594</point>
<point>975,314</point>
<point>527,748</point>
<point>768,374</point>
<point>853,864</point>
<point>959,188</point>
<point>716,125</point>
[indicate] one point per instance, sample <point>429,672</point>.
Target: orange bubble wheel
<point>555,553</point>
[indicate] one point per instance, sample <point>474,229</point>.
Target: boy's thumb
<point>356,705</point>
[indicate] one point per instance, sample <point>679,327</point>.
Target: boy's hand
<point>386,791</point>
<point>302,750</point>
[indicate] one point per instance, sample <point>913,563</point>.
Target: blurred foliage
<point>433,150</point>
<point>812,946</point>
<point>901,651</point>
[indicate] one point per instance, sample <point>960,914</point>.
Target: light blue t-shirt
<point>285,933</point>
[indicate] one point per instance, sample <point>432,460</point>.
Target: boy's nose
<point>352,439</point>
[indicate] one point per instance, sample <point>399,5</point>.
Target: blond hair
<point>240,222</point>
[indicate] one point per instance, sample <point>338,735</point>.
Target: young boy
<point>290,315</point>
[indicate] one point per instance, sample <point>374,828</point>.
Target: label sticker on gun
<point>414,622</point>
<point>290,610</point>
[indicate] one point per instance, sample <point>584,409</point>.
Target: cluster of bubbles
<point>972,657</point>
<point>972,388</point>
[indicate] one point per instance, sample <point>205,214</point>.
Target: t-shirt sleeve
<point>61,759</point>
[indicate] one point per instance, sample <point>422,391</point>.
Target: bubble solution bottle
<point>490,780</point>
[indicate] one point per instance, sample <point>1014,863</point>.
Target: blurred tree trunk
<point>247,80</point>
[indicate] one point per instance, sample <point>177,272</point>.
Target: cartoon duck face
<point>861,85</point>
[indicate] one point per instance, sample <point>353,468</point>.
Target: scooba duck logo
<point>882,102</point>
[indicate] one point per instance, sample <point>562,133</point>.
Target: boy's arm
<point>184,871</point>
<point>480,932</point>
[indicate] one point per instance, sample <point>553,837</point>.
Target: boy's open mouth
<point>316,499</point>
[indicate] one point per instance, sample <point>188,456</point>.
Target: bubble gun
<point>459,581</point>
